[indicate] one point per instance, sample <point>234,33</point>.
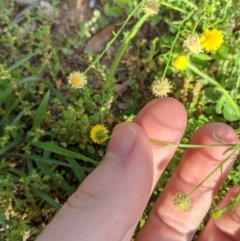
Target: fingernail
<point>122,142</point>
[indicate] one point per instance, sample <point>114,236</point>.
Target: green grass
<point>45,146</point>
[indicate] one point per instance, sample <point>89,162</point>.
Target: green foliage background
<point>45,146</point>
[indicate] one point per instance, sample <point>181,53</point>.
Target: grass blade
<point>4,94</point>
<point>27,79</point>
<point>41,111</point>
<point>21,114</point>
<point>57,94</point>
<point>9,146</point>
<point>2,220</point>
<point>62,151</point>
<point>46,198</point>
<point>23,60</point>
<point>52,161</point>
<point>78,171</point>
<point>47,171</point>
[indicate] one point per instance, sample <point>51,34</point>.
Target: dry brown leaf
<point>58,83</point>
<point>120,88</point>
<point>98,42</point>
<point>122,106</point>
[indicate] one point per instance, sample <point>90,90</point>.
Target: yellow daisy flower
<point>211,39</point>
<point>161,87</point>
<point>77,80</point>
<point>151,7</point>
<point>180,62</point>
<point>99,133</point>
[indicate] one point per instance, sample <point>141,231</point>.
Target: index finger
<point>165,221</point>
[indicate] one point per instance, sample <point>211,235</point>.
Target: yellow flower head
<point>77,80</point>
<point>211,39</point>
<point>161,87</point>
<point>192,44</point>
<point>181,202</point>
<point>99,133</point>
<point>180,62</point>
<point>151,7</point>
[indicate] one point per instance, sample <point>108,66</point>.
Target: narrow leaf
<point>47,198</point>
<point>2,220</point>
<point>51,161</point>
<point>41,111</point>
<point>62,151</point>
<point>4,94</point>
<point>78,171</point>
<point>9,146</point>
<point>23,60</point>
<point>21,114</point>
<point>57,94</point>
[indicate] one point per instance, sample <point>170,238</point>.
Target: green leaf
<point>47,198</point>
<point>21,114</point>
<point>224,107</point>
<point>13,105</point>
<point>4,94</point>
<point>52,161</point>
<point>220,103</point>
<point>106,9</point>
<point>116,11</point>
<point>41,111</point>
<point>201,58</point>
<point>47,171</point>
<point>229,112</point>
<point>62,151</point>
<point>222,52</point>
<point>29,165</point>
<point>23,60</point>
<point>57,94</point>
<point>2,221</point>
<point>211,94</point>
<point>9,146</point>
<point>26,80</point>
<point>78,171</point>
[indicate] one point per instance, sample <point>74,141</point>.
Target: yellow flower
<point>180,62</point>
<point>192,44</point>
<point>181,202</point>
<point>211,39</point>
<point>161,87</point>
<point>99,133</point>
<point>151,7</point>
<point>77,80</point>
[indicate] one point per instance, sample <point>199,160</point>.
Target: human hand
<point>108,204</point>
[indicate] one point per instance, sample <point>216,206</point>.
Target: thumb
<point>112,198</point>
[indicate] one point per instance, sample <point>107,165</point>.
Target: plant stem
<point>113,39</point>
<point>219,87</point>
<point>174,42</point>
<point>168,5</point>
<point>126,40</point>
<point>163,143</point>
<point>236,148</point>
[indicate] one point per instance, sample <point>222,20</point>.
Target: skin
<point>110,201</point>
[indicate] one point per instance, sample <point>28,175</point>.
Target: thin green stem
<point>174,42</point>
<point>166,4</point>
<point>113,39</point>
<point>163,143</point>
<point>235,149</point>
<point>126,40</point>
<point>219,87</point>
